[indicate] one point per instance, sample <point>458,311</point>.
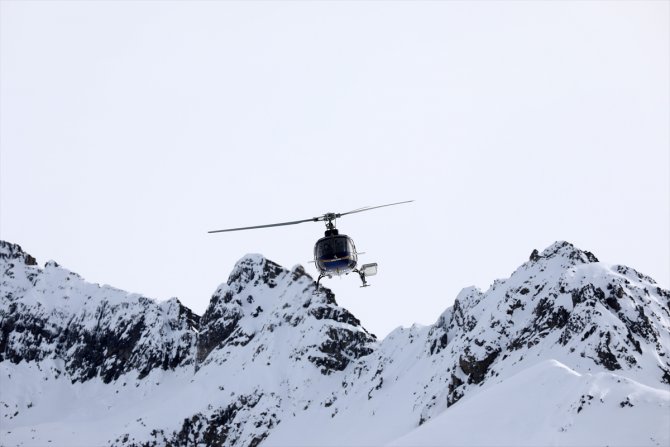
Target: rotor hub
<point>330,218</point>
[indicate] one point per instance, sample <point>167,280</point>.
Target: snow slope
<point>551,404</point>
<point>567,351</point>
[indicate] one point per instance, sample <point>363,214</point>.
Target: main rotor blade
<point>368,208</point>
<point>314,219</point>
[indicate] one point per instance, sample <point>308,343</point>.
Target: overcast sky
<point>130,129</point>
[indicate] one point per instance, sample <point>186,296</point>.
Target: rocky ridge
<point>272,354</point>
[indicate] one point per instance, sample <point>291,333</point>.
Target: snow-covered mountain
<point>567,351</point>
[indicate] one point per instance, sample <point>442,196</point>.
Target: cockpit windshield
<point>334,247</point>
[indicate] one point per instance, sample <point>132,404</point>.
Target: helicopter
<point>334,254</point>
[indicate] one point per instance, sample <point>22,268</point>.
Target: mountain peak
<point>9,250</point>
<point>255,269</point>
<point>566,250</point>
<point>261,299</point>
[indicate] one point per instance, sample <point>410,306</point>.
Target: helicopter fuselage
<point>335,254</point>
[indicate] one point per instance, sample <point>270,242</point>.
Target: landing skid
<point>319,280</point>
<point>360,273</point>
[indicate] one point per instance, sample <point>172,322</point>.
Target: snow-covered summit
<point>564,249</point>
<point>273,360</point>
<point>264,302</point>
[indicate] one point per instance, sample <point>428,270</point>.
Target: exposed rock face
<point>52,313</point>
<point>271,352</point>
<point>223,426</point>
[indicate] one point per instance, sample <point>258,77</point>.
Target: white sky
<point>129,129</point>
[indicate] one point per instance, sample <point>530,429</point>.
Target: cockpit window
<point>330,248</point>
<point>341,245</point>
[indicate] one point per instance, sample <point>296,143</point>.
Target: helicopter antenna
<point>328,218</point>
